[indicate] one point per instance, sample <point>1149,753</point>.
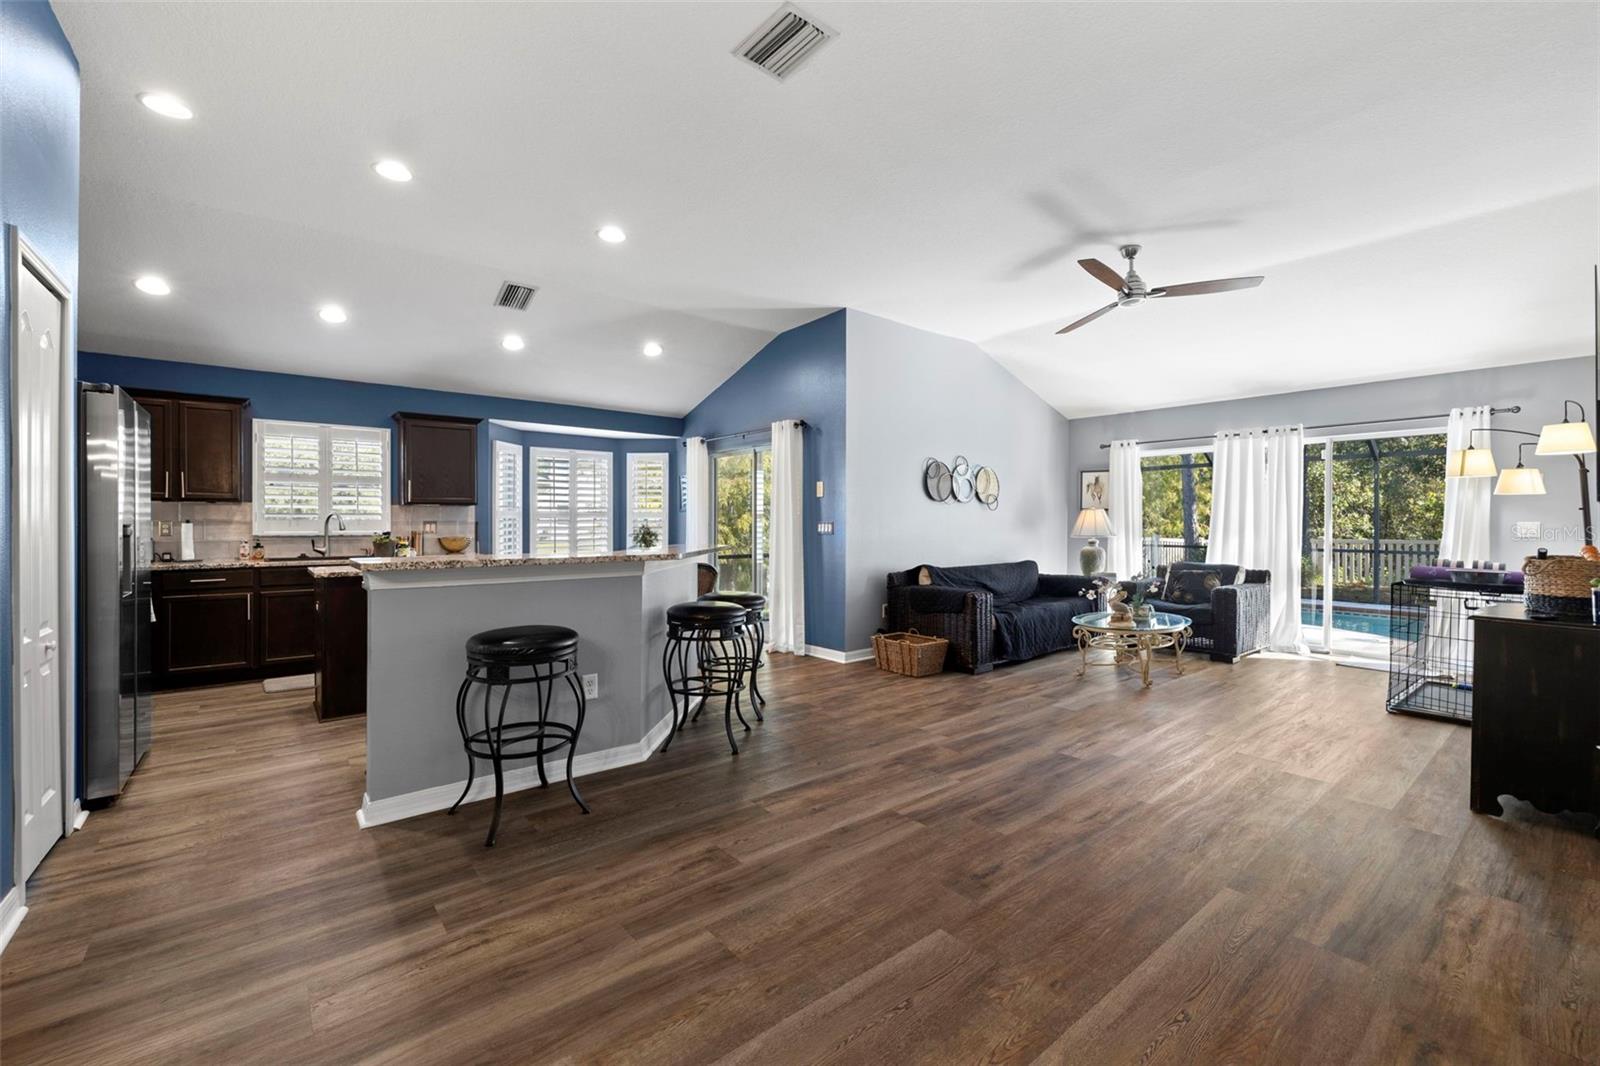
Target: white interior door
<point>38,567</point>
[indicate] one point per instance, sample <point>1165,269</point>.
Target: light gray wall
<point>1538,387</point>
<point>911,395</point>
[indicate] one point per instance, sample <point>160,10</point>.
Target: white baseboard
<point>11,914</point>
<point>834,656</point>
<point>79,816</point>
<point>440,797</point>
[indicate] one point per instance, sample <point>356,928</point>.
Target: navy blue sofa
<point>1001,612</point>
<point>1230,607</point>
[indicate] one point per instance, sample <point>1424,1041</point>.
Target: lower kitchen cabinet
<point>237,624</point>
<point>205,633</point>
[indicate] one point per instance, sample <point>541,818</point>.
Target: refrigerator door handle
<point>127,558</point>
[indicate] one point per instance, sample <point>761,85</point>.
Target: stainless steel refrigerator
<point>118,611</point>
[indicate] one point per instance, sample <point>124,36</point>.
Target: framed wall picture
<point>1095,488</point>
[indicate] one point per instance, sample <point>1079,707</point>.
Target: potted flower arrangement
<point>645,538</point>
<point>1143,588</point>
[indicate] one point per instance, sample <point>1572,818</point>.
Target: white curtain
<point>1466,499</point>
<point>1257,500</point>
<point>1125,553</point>
<point>786,573</point>
<point>1284,500</point>
<point>697,472</point>
<point>1238,474</point>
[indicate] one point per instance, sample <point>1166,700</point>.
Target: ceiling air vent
<point>515,296</point>
<point>784,41</point>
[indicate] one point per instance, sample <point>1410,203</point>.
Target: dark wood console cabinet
<point>1535,712</point>
<point>197,446</point>
<point>438,458</point>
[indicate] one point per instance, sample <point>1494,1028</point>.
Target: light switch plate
<point>825,528</point>
<point>1526,530</point>
<point>430,527</point>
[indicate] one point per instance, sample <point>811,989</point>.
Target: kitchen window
<point>303,470</point>
<point>571,493</point>
<point>647,496</point>
<point>507,512</point>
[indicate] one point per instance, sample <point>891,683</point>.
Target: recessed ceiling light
<point>392,169</point>
<point>166,105</point>
<point>152,285</point>
<point>652,349</point>
<point>611,234</point>
<point>511,342</point>
<point>332,314</point>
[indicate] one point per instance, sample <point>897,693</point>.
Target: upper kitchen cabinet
<point>196,446</point>
<point>438,459</point>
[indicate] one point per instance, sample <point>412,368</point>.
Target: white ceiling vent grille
<point>784,41</point>
<point>515,296</point>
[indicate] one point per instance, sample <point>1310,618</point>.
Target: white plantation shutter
<point>571,502</point>
<point>507,498</point>
<point>647,495</point>
<point>304,470</point>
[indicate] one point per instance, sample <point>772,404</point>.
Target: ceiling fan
<point>1133,290</point>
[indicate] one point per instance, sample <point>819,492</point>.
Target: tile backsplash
<point>219,527</point>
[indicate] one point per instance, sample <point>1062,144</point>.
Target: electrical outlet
<point>883,612</point>
<point>430,527</point>
<point>591,686</point>
<point>163,529</point>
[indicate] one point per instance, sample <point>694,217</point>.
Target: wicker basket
<point>910,653</point>
<point>1557,586</point>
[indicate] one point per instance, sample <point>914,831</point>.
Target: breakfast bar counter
<point>421,611</point>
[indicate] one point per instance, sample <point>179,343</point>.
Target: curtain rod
<point>747,432</point>
<point>1512,410</point>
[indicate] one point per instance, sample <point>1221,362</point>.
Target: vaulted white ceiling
<point>1417,181</point>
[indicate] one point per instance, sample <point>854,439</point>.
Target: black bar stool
<point>755,642</point>
<point>704,657</point>
<point>504,658</point>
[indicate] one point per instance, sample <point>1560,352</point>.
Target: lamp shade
<point>1565,438</point>
<point>1470,462</point>
<point>1520,481</point>
<point>1092,522</point>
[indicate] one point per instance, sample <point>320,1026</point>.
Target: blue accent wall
<point>799,374</point>
<point>297,397</point>
<point>38,195</point>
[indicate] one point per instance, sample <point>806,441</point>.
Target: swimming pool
<point>1374,623</point>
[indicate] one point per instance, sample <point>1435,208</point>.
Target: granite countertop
<point>345,570</point>
<point>235,564</point>
<point>466,560</point>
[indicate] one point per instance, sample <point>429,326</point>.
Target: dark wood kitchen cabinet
<point>197,446</point>
<point>438,458</point>
<point>341,679</point>
<point>205,624</point>
<point>288,618</point>
<point>236,624</point>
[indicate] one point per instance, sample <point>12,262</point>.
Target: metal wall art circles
<point>936,480</point>
<point>987,486</point>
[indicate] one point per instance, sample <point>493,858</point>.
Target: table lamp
<point>1093,522</point>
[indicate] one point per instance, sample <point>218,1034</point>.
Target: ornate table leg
<point>1145,655</point>
<point>1179,639</point>
<point>1083,651</point>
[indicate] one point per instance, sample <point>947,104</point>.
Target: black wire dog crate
<point>1430,645</point>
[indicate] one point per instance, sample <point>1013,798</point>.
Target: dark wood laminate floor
<point>1247,864</point>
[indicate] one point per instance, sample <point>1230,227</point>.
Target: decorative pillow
<point>1191,586</point>
<point>923,577</point>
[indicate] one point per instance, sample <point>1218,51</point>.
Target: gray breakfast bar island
<point>421,611</point>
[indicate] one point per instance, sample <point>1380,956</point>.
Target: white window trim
<point>263,526</point>
<point>635,516</point>
<point>501,449</point>
<point>571,510</point>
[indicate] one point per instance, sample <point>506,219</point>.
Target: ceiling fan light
<point>1565,438</point>
<point>1520,481</point>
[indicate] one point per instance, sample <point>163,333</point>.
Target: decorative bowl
<point>454,545</point>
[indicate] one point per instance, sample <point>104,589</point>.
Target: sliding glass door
<point>742,513</point>
<point>1374,509</point>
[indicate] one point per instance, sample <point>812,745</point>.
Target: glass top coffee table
<point>1133,643</point>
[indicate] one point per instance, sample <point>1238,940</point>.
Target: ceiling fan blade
<point>1103,272</point>
<point>1200,288</point>
<point>1086,319</point>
